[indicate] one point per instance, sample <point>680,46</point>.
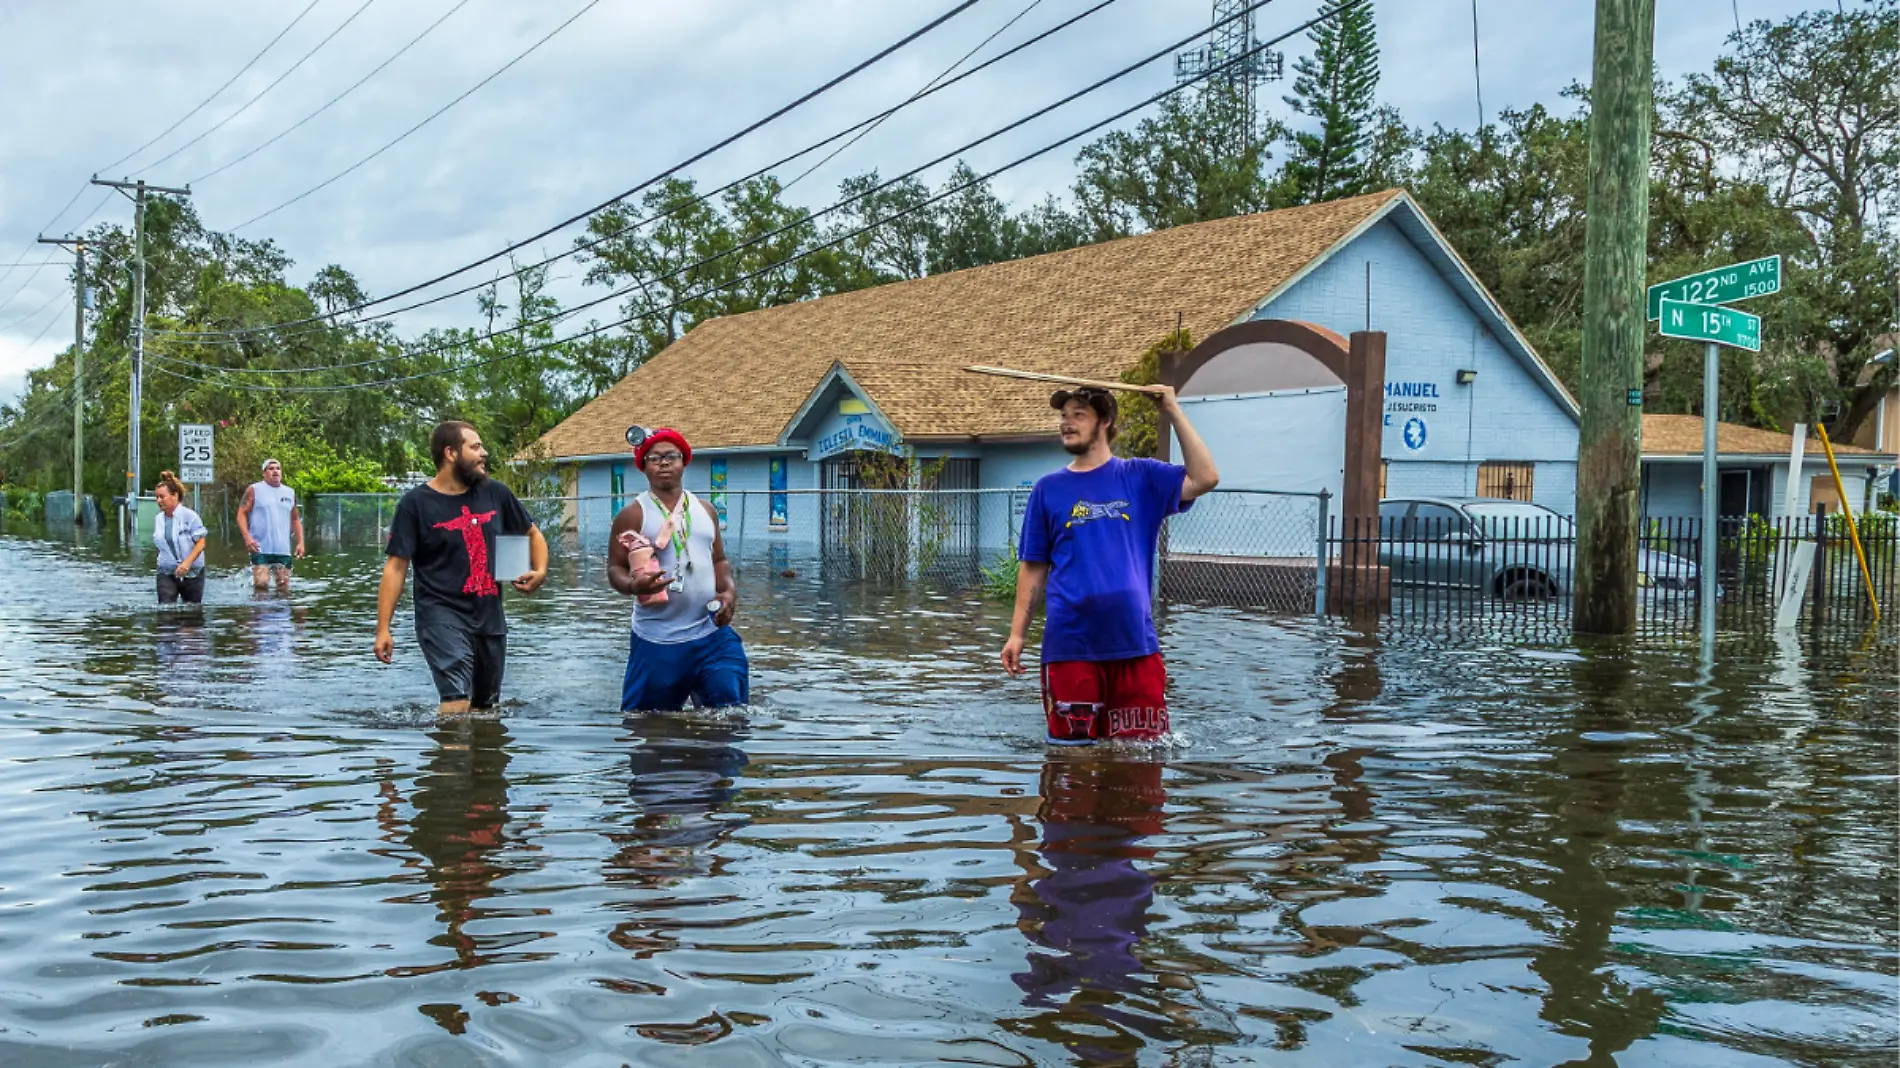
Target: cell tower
<point>1234,38</point>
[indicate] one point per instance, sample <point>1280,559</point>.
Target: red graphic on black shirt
<point>480,582</point>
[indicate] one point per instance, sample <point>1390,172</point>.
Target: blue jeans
<point>712,671</point>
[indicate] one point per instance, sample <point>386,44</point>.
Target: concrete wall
<point>1431,333</point>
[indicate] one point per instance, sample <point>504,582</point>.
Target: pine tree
<point>1335,86</point>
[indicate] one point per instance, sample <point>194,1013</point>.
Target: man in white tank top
<point>684,648</point>
<point>272,527</point>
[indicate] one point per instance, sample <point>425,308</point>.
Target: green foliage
<point>1140,417</point>
<point>1335,87</point>
<point>999,579</point>
<point>1191,163</point>
<point>20,503</point>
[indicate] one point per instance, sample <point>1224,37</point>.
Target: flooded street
<point>237,839</point>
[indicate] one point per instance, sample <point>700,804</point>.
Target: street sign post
<point>196,455</point>
<point>1724,285</point>
<point>1687,308</point>
<point>1702,322</point>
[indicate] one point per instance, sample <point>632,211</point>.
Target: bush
<point>23,503</point>
<point>999,579</point>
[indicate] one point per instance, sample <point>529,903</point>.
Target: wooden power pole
<point>1609,448</point>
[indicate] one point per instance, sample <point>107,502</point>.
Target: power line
<point>332,102</point>
<point>216,92</point>
<point>696,157</point>
<point>914,97</point>
<point>29,315</point>
<point>436,114</point>
<point>242,108</point>
<point>833,243</point>
<point>49,325</point>
<point>582,246</point>
<point>768,235</point>
<point>52,223</point>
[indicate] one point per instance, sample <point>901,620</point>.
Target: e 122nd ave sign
<point>1737,281</point>
<point>1706,322</point>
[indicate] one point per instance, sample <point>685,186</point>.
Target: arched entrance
<point>1293,407</point>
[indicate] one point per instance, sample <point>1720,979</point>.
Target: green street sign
<point>1705,322</point>
<point>1724,285</point>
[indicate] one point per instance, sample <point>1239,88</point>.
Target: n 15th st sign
<point>1705,322</point>
<point>1724,285</point>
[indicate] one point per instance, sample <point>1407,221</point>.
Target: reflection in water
<point>685,771</point>
<point>1090,909</point>
<point>460,829</point>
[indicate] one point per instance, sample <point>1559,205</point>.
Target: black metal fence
<point>1512,570</point>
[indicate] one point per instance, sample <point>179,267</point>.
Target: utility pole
<point>139,189</point>
<point>79,371</point>
<point>1610,444</point>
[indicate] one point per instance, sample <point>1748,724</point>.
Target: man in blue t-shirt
<point>1089,536</point>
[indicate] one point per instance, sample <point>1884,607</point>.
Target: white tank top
<point>270,517</point>
<point>683,618</point>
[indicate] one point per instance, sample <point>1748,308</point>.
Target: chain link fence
<point>886,536</point>
<point>1250,548</point>
<point>1240,547</point>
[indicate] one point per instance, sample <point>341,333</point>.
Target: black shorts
<point>466,666</point>
<point>190,589</point>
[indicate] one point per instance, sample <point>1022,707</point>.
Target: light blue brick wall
<point>1430,334</point>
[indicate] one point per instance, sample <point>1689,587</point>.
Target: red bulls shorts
<point>1091,700</point>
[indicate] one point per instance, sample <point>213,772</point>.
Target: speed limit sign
<point>195,453</point>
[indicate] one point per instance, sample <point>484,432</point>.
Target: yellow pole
<point>1853,532</point>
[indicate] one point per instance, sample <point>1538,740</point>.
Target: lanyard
<point>682,525</point>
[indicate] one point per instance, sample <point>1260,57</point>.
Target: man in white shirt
<point>269,520</point>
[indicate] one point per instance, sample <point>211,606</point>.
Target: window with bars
<point>1509,480</point>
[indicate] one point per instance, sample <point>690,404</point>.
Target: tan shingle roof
<point>1089,311</point>
<point>1681,435</point>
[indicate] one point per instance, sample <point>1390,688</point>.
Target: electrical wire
<point>215,93</point>
<point>585,245</point>
<point>242,108</point>
<point>333,101</point>
<point>914,97</point>
<point>434,115</point>
<point>663,175</point>
<point>833,243</point>
<point>32,314</point>
<point>758,239</point>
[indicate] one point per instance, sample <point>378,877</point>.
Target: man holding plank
<point>1088,537</point>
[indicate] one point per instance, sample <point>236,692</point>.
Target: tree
<point>1809,110</point>
<point>1334,87</point>
<point>1172,170</point>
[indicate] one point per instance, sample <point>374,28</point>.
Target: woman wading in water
<point>180,537</point>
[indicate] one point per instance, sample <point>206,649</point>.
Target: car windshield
<point>1517,519</point>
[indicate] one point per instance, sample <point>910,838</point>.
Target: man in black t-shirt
<point>447,528</point>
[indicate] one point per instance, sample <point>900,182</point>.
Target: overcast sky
<point>631,87</point>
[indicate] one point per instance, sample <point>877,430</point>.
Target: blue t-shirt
<point>1097,530</point>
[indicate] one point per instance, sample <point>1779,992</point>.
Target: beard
<point>1081,448</point>
<point>469,472</point>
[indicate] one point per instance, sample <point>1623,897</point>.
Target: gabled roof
<point>1089,312</point>
<point>1681,435</point>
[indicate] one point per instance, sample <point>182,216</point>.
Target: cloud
<point>629,89</point>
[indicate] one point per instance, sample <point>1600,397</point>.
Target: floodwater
<point>235,839</point>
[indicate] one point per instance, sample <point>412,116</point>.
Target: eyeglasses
<point>665,458</point>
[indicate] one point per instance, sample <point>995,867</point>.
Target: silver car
<point>1514,550</point>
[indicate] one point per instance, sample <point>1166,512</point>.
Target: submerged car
<point>1513,550</point>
